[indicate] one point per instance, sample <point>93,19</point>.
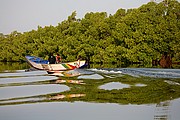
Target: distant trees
<point>134,35</point>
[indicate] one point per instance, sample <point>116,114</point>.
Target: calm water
<point>97,94</point>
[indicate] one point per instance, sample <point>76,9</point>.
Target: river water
<point>96,94</point>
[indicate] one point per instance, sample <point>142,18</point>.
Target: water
<point>97,94</point>
<point>113,85</point>
<point>148,72</point>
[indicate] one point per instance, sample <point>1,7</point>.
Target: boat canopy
<point>37,59</point>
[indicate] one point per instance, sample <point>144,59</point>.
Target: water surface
<point>120,93</point>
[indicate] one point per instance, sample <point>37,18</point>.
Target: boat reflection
<point>68,73</point>
<point>60,96</point>
<point>39,99</point>
<point>70,81</point>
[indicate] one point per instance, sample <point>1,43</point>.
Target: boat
<point>40,64</point>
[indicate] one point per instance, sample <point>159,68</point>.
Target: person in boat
<point>58,58</point>
<point>52,59</point>
<point>79,58</point>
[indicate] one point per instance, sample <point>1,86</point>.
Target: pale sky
<point>25,15</point>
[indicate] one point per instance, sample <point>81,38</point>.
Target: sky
<point>26,15</point>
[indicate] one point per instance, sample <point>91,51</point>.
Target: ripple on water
<point>93,76</point>
<point>30,90</point>
<point>23,73</point>
<point>140,85</point>
<point>26,79</point>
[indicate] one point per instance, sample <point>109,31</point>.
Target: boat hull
<point>54,67</point>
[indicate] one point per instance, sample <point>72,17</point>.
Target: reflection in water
<point>23,100</point>
<point>93,76</point>
<point>30,90</point>
<point>114,85</point>
<point>138,72</point>
<point>70,81</point>
<point>38,99</point>
<point>60,96</point>
<point>143,92</point>
<point>162,111</point>
<point>11,66</point>
<point>118,85</point>
<point>22,74</point>
<point>171,82</point>
<point>140,85</point>
<point>10,80</point>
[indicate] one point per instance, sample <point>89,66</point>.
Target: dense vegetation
<point>133,35</point>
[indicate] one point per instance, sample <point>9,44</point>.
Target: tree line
<point>132,35</point>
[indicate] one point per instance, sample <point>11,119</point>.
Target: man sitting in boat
<point>52,59</point>
<point>58,58</point>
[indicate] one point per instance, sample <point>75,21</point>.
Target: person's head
<point>79,57</point>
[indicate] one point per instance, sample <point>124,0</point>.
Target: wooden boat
<point>41,64</point>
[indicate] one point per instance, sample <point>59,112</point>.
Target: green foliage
<point>134,35</point>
